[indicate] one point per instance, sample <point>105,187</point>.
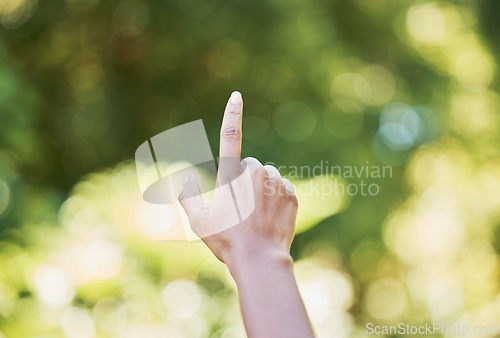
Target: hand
<point>270,227</point>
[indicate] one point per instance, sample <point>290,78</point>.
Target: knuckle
<point>249,159</point>
<point>270,184</point>
<point>231,132</point>
<point>272,172</point>
<point>234,109</point>
<point>252,161</point>
<point>258,171</point>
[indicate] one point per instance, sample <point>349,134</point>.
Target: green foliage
<point>406,84</point>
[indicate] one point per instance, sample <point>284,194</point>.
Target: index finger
<point>230,133</point>
<point>230,140</point>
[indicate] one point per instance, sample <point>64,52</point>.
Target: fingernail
<point>235,98</point>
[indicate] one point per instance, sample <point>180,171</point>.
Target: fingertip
<point>236,97</point>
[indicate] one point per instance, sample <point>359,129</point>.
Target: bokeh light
<point>410,84</point>
<point>294,121</point>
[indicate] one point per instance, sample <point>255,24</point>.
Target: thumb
<point>191,199</point>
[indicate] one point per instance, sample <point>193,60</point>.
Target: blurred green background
<point>407,84</point>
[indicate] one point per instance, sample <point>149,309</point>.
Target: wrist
<point>241,260</point>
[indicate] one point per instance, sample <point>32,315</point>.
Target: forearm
<point>269,297</point>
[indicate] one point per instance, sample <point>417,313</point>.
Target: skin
<point>257,249</point>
